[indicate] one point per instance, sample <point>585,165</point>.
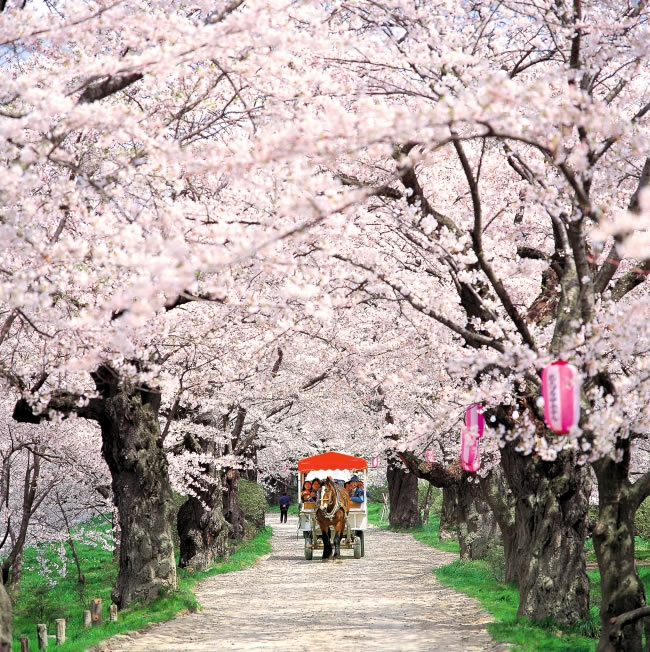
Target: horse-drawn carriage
<point>334,510</point>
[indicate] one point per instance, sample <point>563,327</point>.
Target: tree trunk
<point>232,511</point>
<point>448,513</point>
<point>16,573</point>
<point>475,522</point>
<point>5,620</point>
<point>552,499</point>
<point>403,496</point>
<point>498,496</point>
<point>203,534</point>
<point>427,505</point>
<point>132,448</point>
<point>613,536</point>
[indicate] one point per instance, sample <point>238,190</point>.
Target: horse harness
<point>337,504</point>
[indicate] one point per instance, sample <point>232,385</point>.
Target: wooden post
<point>87,619</point>
<point>96,611</point>
<point>41,630</point>
<point>113,613</point>
<point>60,631</point>
<point>24,644</point>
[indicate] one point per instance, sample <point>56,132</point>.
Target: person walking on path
<point>284,506</point>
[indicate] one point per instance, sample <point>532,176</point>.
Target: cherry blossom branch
<point>466,334</point>
<point>612,261</point>
<point>477,239</point>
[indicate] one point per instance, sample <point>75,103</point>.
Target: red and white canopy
<point>333,461</point>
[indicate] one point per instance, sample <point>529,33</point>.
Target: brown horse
<point>332,511</point>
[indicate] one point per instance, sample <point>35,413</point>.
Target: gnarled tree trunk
<point>551,503</point>
<point>403,496</point>
<point>202,528</point>
<point>232,510</point>
<point>613,536</point>
<point>477,527</point>
<point>5,620</point>
<point>132,448</point>
<point>203,533</point>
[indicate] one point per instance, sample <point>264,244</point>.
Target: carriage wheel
<point>357,548</point>
<point>359,533</point>
<point>309,552</point>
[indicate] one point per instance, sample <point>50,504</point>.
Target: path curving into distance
<point>389,600</point>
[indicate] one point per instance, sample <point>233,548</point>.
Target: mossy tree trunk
<point>232,510</point>
<point>132,447</point>
<point>202,528</point>
<point>477,527</point>
<point>613,536</point>
<point>5,620</point>
<point>403,496</point>
<point>551,504</point>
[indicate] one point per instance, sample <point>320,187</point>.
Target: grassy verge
<point>476,579</point>
<point>40,602</point>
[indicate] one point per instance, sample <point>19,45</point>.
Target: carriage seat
<point>308,505</point>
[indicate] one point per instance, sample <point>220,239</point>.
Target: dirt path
<point>389,600</point>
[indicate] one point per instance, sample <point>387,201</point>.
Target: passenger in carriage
<point>315,489</point>
<point>356,495</point>
<point>306,491</point>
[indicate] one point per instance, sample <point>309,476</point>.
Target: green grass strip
<point>40,603</point>
<point>476,579</point>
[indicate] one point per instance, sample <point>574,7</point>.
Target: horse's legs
<point>337,545</point>
<point>327,546</point>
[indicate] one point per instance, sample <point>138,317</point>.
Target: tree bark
<point>613,536</point>
<point>202,528</point>
<point>5,620</point>
<point>403,496</point>
<point>13,564</point>
<point>447,531</point>
<point>498,496</point>
<point>232,511</point>
<point>551,503</point>
<point>132,448</point>
<point>477,527</point>
<point>141,491</point>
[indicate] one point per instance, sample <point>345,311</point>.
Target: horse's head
<point>327,495</point>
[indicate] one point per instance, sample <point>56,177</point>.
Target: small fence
<point>91,618</point>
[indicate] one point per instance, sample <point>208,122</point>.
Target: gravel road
<point>389,600</point>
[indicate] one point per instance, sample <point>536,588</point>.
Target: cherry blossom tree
<point>496,148</point>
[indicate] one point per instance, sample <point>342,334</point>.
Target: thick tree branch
<point>641,489</point>
<point>434,472</point>
<point>630,280</point>
<point>627,618</point>
<point>109,86</point>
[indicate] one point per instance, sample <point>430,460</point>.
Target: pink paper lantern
<point>375,462</point>
<point>429,456</point>
<point>561,394</point>
<point>470,455</point>
<point>474,418</point>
